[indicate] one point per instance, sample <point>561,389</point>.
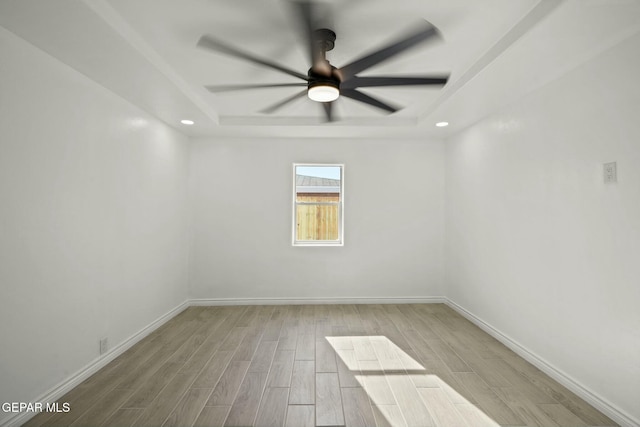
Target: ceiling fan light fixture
<point>323,92</point>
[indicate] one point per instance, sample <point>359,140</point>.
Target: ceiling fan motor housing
<point>317,79</point>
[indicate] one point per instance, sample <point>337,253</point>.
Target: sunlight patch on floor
<point>401,391</point>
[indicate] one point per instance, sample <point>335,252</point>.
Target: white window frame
<point>295,203</point>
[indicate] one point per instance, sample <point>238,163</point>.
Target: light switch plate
<point>610,173</point>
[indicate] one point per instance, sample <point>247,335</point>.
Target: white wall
<point>241,195</point>
<point>537,245</point>
<point>93,239</point>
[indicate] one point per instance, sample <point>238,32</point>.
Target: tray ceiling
<point>145,51</point>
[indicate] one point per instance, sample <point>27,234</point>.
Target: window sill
<point>317,243</point>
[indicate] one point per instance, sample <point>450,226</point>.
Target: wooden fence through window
<point>317,222</point>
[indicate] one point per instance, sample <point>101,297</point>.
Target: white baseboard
<point>75,379</point>
<point>604,406</point>
<point>320,300</point>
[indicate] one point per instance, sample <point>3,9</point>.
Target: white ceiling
<point>145,50</point>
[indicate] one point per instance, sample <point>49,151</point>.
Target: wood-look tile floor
<point>326,365</point>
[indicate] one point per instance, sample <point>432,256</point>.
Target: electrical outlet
<point>610,172</point>
<point>104,345</point>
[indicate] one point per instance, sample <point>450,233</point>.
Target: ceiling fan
<point>325,83</point>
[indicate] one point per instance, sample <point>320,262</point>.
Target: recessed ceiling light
<point>187,122</point>
<point>442,124</point>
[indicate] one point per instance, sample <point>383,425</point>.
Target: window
<point>318,204</point>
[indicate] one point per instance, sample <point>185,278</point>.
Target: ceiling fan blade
<point>328,110</point>
<point>423,32</point>
<point>304,12</point>
<point>355,82</point>
<point>208,42</point>
<point>307,12</point>
<point>229,88</point>
<point>280,104</point>
<point>362,97</point>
